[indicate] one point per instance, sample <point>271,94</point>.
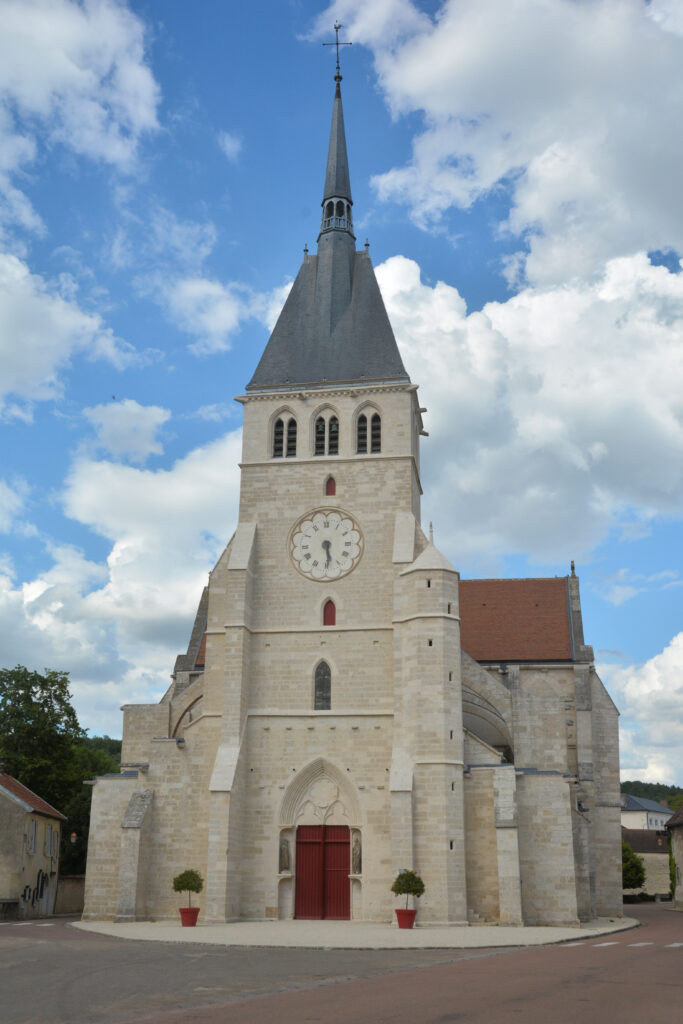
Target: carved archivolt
<point>320,794</point>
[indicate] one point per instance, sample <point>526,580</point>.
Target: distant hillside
<point>670,796</point>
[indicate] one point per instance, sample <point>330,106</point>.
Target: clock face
<point>325,544</point>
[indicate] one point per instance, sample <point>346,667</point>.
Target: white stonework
<point>497,783</point>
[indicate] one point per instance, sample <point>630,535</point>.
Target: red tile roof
<point>36,803</point>
<point>516,620</point>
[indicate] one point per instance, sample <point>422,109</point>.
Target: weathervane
<point>336,43</point>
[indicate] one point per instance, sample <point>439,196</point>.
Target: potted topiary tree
<point>407,883</point>
<point>188,881</point>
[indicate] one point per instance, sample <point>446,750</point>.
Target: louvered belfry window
<point>291,439</point>
<point>376,433</point>
<point>333,438</point>
<point>278,438</point>
<point>323,687</point>
<point>320,436</point>
<point>362,434</point>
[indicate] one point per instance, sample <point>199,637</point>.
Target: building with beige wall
<point>30,833</point>
<point>347,706</point>
<point>675,827</point>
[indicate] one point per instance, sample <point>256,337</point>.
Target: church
<point>347,706</point>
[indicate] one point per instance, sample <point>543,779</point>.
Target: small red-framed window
<point>329,614</point>
<point>330,486</point>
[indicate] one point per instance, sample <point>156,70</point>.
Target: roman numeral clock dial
<point>325,544</point>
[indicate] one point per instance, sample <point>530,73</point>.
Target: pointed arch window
<point>329,614</point>
<point>333,437</point>
<point>291,439</point>
<point>326,441</point>
<point>323,687</point>
<point>320,432</point>
<point>376,433</point>
<point>278,438</point>
<point>362,434</point>
<point>330,486</point>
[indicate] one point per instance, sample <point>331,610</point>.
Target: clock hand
<point>327,544</point>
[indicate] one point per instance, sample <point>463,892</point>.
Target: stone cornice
<point>349,390</point>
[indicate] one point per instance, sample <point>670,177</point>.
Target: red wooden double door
<point>322,872</point>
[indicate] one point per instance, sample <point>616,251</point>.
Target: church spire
<point>333,328</point>
<point>337,201</point>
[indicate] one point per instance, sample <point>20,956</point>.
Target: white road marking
<point>51,924</point>
<point>568,945</point>
<point>597,944</point>
<point>641,944</point>
<point>674,945</point>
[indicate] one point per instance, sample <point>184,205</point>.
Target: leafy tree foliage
<point>670,796</point>
<point>43,746</point>
<point>632,868</point>
<point>38,729</point>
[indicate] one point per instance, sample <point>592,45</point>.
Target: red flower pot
<point>188,916</point>
<point>406,918</point>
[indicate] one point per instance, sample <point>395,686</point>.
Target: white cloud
<point>231,145</point>
<point>624,584</point>
<point>118,624</point>
<point>213,413</point>
<point>40,332</point>
<point>185,242</point>
<point>11,503</point>
<point>78,71</point>
<point>211,311</point>
<point>650,698</point>
<point>567,107</point>
<point>554,416</point>
<point>128,429</point>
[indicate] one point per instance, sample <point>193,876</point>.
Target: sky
<point>516,168</point>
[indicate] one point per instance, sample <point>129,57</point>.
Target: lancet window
<point>326,440</point>
<point>376,433</point>
<point>284,437</point>
<point>329,614</point>
<point>323,687</point>
<point>362,433</point>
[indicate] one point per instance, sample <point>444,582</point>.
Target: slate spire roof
<point>337,180</point>
<point>333,328</point>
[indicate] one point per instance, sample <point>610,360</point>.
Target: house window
<point>329,614</point>
<point>32,836</point>
<point>48,840</point>
<point>323,687</point>
<point>330,486</point>
<point>376,433</point>
<point>291,439</point>
<point>362,434</point>
<point>278,438</point>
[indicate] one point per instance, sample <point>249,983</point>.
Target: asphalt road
<point>52,973</point>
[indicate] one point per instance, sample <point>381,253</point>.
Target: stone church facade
<point>347,706</point>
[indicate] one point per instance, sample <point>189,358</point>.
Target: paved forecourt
<point>353,934</point>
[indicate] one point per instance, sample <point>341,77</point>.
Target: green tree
<point>38,730</point>
<point>660,792</point>
<point>632,868</point>
<point>672,870</point>
<point>43,746</point>
<point>91,758</point>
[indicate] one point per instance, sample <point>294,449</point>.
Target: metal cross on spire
<point>336,43</point>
